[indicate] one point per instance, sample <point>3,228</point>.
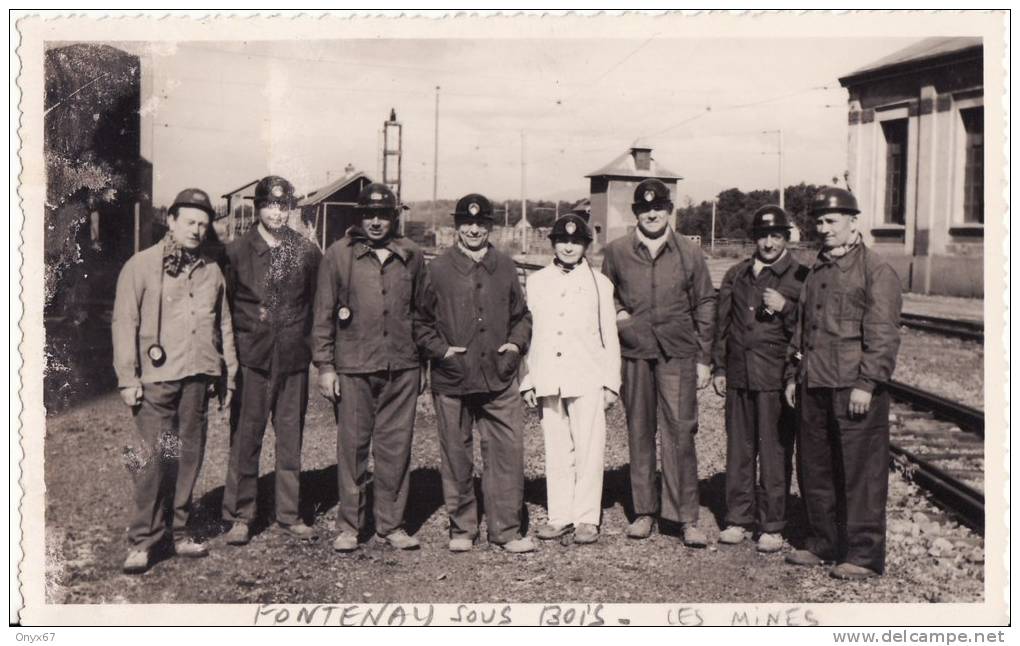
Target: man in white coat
<point>573,373</point>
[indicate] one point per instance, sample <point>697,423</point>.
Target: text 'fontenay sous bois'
<point>395,614</point>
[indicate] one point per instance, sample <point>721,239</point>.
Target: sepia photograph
<point>674,319</point>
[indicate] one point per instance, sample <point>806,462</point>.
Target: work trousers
<point>171,422</point>
<point>376,412</point>
<point>844,475</point>
<point>757,430</point>
<point>575,445</point>
<point>669,385</point>
<point>284,396</point>
<point>499,417</point>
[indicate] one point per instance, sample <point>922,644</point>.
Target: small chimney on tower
<point>642,154</point>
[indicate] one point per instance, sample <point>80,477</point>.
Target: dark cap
<point>583,209</point>
<point>770,218</point>
<point>651,193</point>
<point>377,197</point>
<point>833,199</point>
<point>570,225</point>
<point>195,198</point>
<point>274,190</point>
<point>474,206</point>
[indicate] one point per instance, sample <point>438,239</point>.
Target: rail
<point>954,494</point>
<point>963,329</point>
<point>967,418</point>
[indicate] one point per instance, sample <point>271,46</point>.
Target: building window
<point>895,132</point>
<point>973,165</point>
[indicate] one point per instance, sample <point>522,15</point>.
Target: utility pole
<point>712,235</point>
<point>782,198</point>
<point>435,167</point>
<point>524,200</point>
<point>779,152</point>
<point>506,213</point>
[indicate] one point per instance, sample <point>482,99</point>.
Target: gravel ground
<point>930,558</point>
<point>953,368</point>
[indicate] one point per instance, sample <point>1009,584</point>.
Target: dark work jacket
<point>750,348</point>
<point>847,332</point>
<point>479,306</point>
<point>271,292</point>
<point>381,297</point>
<point>670,300</point>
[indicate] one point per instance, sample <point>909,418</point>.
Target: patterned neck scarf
<point>176,259</point>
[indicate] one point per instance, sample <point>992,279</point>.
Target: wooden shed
<point>330,209</point>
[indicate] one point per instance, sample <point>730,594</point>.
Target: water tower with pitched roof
<point>612,190</point>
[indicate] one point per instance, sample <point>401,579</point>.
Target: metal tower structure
<point>392,156</point>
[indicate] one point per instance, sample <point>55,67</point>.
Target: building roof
<point>240,188</point>
<point>916,55</point>
<point>623,166</point>
<point>320,194</point>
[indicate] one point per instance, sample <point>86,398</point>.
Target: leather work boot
<point>518,545</point>
<point>346,542</point>
<point>586,533</point>
<point>770,542</point>
<point>137,562</point>
<point>851,572</point>
<point>804,557</point>
<point>190,548</point>
<point>640,528</point>
<point>733,535</point>
<point>401,540</point>
<point>298,530</point>
<point>461,544</point>
<point>549,531</point>
<point>239,534</point>
<point>694,536</point>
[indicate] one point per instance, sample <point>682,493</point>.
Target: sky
<point>220,114</point>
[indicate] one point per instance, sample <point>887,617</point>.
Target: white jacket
<point>567,357</point>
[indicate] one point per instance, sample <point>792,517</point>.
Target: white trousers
<point>575,448</point>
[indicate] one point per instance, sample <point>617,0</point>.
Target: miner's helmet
<point>195,198</point>
<point>833,199</point>
<point>274,189</point>
<point>769,218</point>
<point>650,194</point>
<point>570,225</point>
<point>583,209</point>
<point>473,206</point>
<point>377,199</point>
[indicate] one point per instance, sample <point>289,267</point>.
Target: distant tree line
<point>735,209</point>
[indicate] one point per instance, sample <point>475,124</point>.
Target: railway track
<point>963,329</point>
<point>939,444</point>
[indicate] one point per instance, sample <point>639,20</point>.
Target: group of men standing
<point>647,330</point>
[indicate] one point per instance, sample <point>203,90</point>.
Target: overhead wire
<point>738,106</point>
